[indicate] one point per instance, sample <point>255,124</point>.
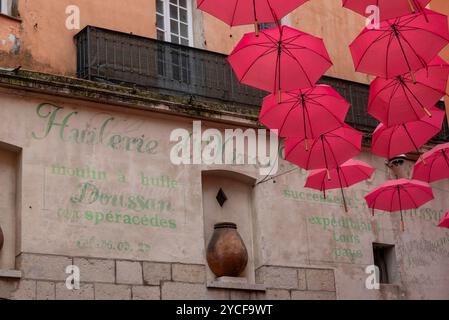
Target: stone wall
<point>304,245</point>
<point>43,278</point>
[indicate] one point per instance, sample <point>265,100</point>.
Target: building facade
<point>88,178</point>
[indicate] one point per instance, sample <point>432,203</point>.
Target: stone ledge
<point>12,274</point>
<point>235,284</point>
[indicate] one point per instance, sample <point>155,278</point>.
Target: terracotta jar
<point>226,253</point>
<point>1,238</point>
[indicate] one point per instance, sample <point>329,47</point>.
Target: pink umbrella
<point>306,113</point>
<point>434,165</point>
<point>402,45</point>
<point>399,195</point>
<point>240,12</point>
<point>328,151</point>
<point>280,59</point>
<point>392,141</point>
<point>388,8</point>
<point>444,223</point>
<point>399,100</point>
<point>344,176</point>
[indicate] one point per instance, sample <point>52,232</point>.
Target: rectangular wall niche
<point>227,197</point>
<point>9,160</point>
<point>385,260</point>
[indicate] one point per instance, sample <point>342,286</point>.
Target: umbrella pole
<point>396,33</point>
<point>325,160</point>
<point>306,143</point>
<point>344,200</point>
<point>400,209</point>
<point>413,95</point>
<point>402,222</point>
<point>279,73</point>
<point>413,76</point>
<point>256,23</point>
<point>341,189</point>
<point>412,7</point>
<point>414,144</point>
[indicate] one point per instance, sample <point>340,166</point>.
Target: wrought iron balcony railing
<point>106,55</point>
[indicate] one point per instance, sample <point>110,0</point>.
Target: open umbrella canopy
<point>348,174</point>
<point>403,99</point>
<point>328,151</point>
<point>444,223</point>
<point>241,12</point>
<point>399,195</point>
<point>434,165</point>
<point>401,45</point>
<point>280,59</point>
<point>305,113</point>
<point>388,8</point>
<point>392,141</point>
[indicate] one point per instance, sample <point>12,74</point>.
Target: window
<point>5,7</point>
<point>174,21</point>
<point>385,260</point>
<point>264,26</point>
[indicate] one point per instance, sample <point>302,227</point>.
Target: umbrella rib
<point>410,137</point>
<point>376,197</point>
<point>432,88</point>
<point>411,105</point>
<point>300,65</point>
<point>325,108</point>
<point>292,38</point>
<point>253,63</point>
<point>389,143</point>
<point>261,44</point>
<point>383,35</point>
<point>411,198</point>
<point>424,30</point>
<point>387,53</point>
<point>429,172</point>
<point>298,47</point>
<point>390,84</point>
<point>393,92</point>
<point>235,9</point>
<point>396,189</point>
<point>423,62</point>
<point>285,118</point>
<point>310,152</point>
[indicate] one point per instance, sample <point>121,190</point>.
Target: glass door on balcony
<point>174,24</point>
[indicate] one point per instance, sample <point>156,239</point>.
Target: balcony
<point>125,59</point>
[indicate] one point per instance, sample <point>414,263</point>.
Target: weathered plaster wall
<point>70,213</point>
<point>47,45</point>
<point>9,41</point>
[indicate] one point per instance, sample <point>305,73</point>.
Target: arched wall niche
<point>10,156</point>
<point>237,208</point>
